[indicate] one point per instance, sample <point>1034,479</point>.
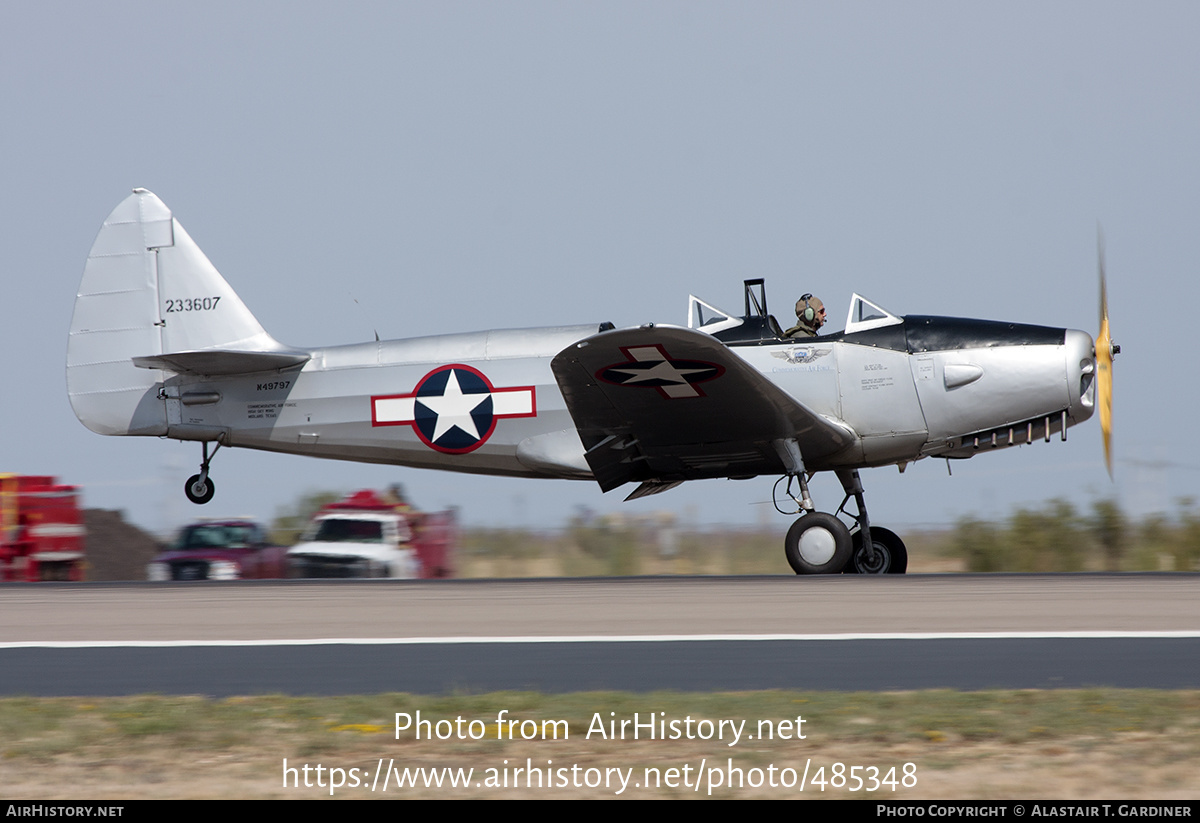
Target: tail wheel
<point>199,489</point>
<point>818,543</point>
<point>890,555</point>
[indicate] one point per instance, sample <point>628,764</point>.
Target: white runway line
<point>564,639</point>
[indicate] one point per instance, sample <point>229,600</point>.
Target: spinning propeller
<point>1106,350</point>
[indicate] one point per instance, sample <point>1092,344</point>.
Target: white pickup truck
<point>365,535</point>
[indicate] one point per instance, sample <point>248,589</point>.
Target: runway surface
<point>840,632</point>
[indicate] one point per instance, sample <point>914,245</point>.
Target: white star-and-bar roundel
<point>454,408</point>
<point>652,367</point>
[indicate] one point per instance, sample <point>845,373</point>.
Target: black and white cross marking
<point>454,408</point>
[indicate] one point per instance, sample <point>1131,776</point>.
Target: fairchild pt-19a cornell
<point>160,345</point>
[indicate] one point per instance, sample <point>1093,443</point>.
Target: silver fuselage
<point>902,404</point>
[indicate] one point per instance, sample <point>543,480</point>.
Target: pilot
<point>810,316</point>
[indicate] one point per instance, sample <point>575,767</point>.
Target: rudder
<point>147,290</point>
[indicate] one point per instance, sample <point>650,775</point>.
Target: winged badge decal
<point>798,355</point>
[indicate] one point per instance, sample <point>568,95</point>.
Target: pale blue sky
<point>414,168</point>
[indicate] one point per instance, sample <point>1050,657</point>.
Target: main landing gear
<point>199,488</point>
<point>820,543</point>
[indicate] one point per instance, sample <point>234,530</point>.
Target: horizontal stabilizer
<point>222,362</point>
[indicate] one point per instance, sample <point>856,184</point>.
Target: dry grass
<point>1092,744</point>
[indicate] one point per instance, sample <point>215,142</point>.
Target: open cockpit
<point>758,327</point>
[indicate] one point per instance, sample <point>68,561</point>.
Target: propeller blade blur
<point>1104,359</point>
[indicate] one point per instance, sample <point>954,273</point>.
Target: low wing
<point>661,404</point>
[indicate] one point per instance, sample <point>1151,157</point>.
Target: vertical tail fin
<point>147,290</point>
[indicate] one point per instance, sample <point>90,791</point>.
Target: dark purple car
<point>220,550</point>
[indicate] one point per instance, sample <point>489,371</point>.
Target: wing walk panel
<point>665,404</point>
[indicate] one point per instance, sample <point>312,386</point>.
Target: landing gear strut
<point>199,488</point>
<point>820,543</point>
<point>876,550</point>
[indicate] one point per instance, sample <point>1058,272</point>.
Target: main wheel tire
<point>818,543</point>
<point>199,490</point>
<point>890,555</point>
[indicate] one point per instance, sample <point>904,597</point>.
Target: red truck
<point>41,529</point>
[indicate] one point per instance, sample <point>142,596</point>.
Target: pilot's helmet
<point>808,307</point>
